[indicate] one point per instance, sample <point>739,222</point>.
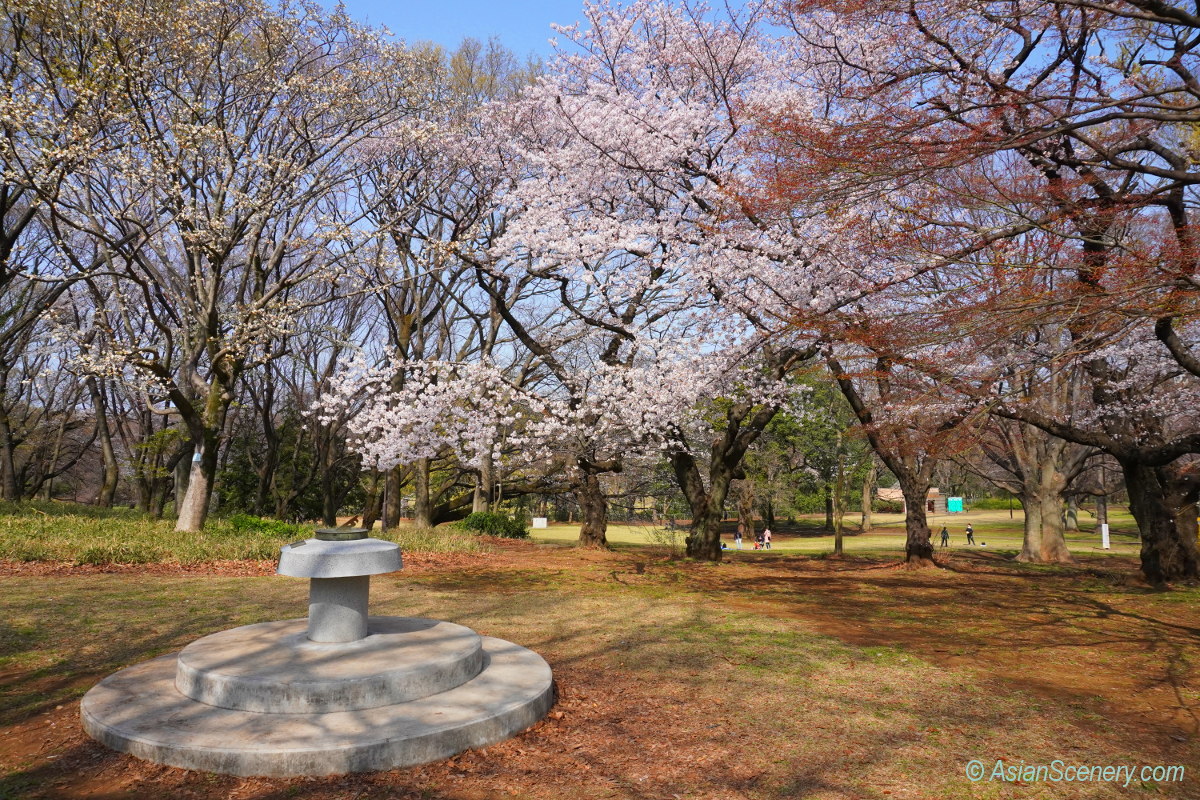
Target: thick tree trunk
<point>1169,552</point>
<point>485,487</point>
<point>708,508</point>
<point>593,507</point>
<point>143,492</point>
<point>422,506</point>
<point>769,516</point>
<point>868,492</point>
<point>193,511</point>
<point>918,549</point>
<point>206,433</point>
<point>1043,541</point>
<point>1071,522</point>
<point>158,498</point>
<point>112,471</point>
<point>1101,510</point>
<point>393,493</point>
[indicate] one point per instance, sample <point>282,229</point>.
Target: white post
<point>1104,543</point>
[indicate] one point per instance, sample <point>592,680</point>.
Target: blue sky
<point>523,27</point>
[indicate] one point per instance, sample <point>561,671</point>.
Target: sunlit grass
<point>42,531</point>
<point>995,528</point>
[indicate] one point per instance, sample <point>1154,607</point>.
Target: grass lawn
<point>806,535</point>
<point>772,677</point>
<point>54,531</point>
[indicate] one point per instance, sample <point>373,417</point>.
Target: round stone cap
<point>314,558</point>
<point>341,534</point>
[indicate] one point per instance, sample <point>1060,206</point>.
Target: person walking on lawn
<point>767,538</point>
<point>737,537</point>
<point>945,537</point>
<point>970,534</point>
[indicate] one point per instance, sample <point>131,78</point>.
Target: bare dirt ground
<point>767,677</point>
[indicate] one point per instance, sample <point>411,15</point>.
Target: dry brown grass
<point>776,679</point>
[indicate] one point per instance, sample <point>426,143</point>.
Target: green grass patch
<point>805,536</point>
<point>43,531</point>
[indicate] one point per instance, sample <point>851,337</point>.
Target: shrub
<point>247,523</point>
<point>120,553</point>
<point>994,503</point>
<point>493,524</point>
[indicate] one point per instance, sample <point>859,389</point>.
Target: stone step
<point>140,711</point>
<point>273,667</point>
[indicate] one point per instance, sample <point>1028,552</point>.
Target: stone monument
<point>337,692</point>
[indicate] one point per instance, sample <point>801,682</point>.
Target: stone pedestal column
<point>337,608</point>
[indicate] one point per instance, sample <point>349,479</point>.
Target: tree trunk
<point>8,459</point>
<point>373,505</point>
<point>707,506</point>
<point>743,426</point>
<point>868,493</point>
<point>206,430</point>
<point>394,484</point>
<point>593,508</point>
<point>1071,522</point>
<point>112,471</point>
<point>158,498</point>
<point>329,498</point>
<point>746,511</point>
<point>266,478</point>
<point>142,489</point>
<point>769,516</point>
<point>918,549</point>
<point>1101,510</point>
<point>1043,540</point>
<point>1169,553</point>
<point>55,454</point>
<point>485,487</point>
<point>422,507</point>
<point>182,472</point>
<point>828,507</point>
<point>193,511</point>
<point>839,490</point>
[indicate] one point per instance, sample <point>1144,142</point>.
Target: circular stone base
<point>273,667</point>
<point>139,711</point>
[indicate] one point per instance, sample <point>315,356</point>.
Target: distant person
<point>945,537</point>
<point>737,537</point>
<point>758,541</point>
<point>767,538</point>
<point>970,534</point>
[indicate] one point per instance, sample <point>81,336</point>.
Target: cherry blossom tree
<point>634,192</point>
<point>244,132</point>
<point>54,120</point>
